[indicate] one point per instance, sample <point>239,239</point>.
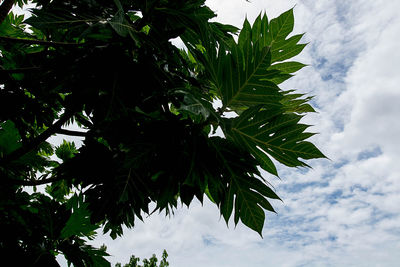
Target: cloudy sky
<point>346,210</point>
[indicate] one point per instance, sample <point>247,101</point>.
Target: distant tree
<point>148,117</point>
<point>152,262</point>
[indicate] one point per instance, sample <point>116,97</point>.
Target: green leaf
<point>280,72</point>
<point>280,27</point>
<point>276,76</point>
<point>118,23</point>
<point>9,138</point>
<point>58,190</point>
<point>259,31</point>
<point>272,132</point>
<point>285,52</point>
<point>66,150</point>
<point>288,67</point>
<point>240,78</point>
<point>194,105</point>
<point>227,204</point>
<point>237,70</point>
<point>295,103</point>
<point>97,256</point>
<point>243,75</point>
<point>79,222</point>
<point>245,35</point>
<point>245,194</point>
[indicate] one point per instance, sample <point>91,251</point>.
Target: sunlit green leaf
<point>274,133</point>
<point>246,194</point>
<point>66,150</point>
<point>79,221</point>
<point>9,137</point>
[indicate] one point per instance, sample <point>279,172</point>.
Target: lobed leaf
<point>9,137</point>
<point>271,132</point>
<point>79,222</point>
<point>245,194</point>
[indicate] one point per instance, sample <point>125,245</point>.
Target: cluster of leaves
<point>147,117</point>
<point>152,262</point>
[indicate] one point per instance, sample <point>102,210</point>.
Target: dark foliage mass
<point>147,115</point>
<point>152,262</point>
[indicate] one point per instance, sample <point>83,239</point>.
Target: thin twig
<point>38,42</point>
<point>34,182</point>
<point>19,70</point>
<point>71,132</point>
<point>35,142</point>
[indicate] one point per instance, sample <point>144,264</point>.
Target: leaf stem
<point>19,70</point>
<point>71,132</point>
<point>34,182</point>
<point>38,42</point>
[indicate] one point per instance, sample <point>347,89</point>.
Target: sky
<point>345,211</point>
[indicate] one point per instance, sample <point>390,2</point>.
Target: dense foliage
<point>147,113</point>
<point>152,262</point>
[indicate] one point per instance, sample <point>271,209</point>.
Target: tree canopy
<point>152,262</point>
<point>148,112</point>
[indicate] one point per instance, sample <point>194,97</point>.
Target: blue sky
<point>346,210</point>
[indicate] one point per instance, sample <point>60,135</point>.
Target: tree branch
<point>34,182</point>
<point>71,133</point>
<point>38,42</point>
<point>5,9</point>
<point>35,142</point>
<point>19,70</point>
